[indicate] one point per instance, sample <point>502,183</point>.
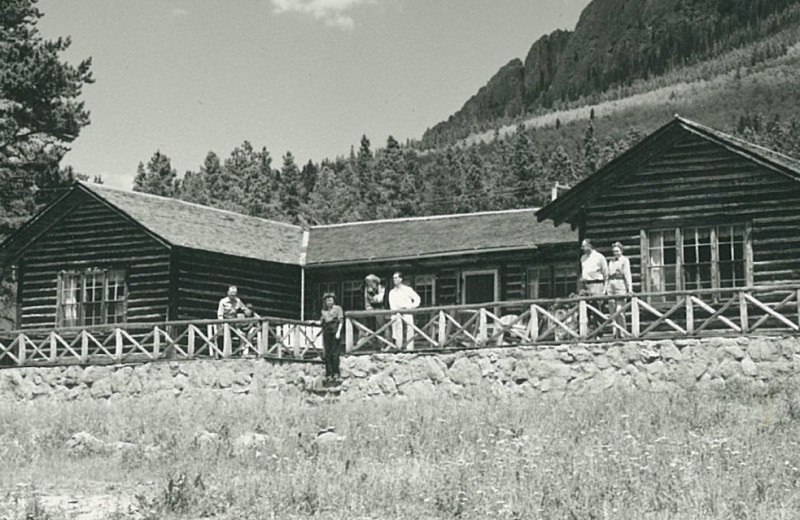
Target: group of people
<point>400,297</point>
<point>599,277</point>
<point>610,277</point>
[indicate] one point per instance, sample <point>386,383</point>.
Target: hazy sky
<point>308,76</point>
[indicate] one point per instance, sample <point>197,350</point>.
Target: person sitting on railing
<point>331,321</point>
<point>403,297</point>
<point>619,284</point>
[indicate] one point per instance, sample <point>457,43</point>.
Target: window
<point>425,285</point>
<point>353,295</point>
<point>552,281</point>
<point>92,297</point>
<point>694,258</point>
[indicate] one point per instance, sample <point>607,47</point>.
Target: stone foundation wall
<point>573,369</point>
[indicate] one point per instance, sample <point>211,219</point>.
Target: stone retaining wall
<point>573,369</point>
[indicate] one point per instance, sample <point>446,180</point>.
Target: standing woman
<point>332,319</point>
<point>619,284</point>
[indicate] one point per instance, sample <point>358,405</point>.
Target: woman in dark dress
<point>331,320</point>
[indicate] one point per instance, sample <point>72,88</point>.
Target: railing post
<point>635,323</point>
<point>84,346</point>
<point>798,307</point>
<point>23,345</point>
<point>117,345</point>
<point>53,346</point>
<point>743,317</point>
<point>190,342</point>
<point>441,338</point>
<point>482,327</point>
<point>583,319</point>
<point>227,343</point>
<point>263,339</point>
<point>534,324</point>
<point>156,342</point>
<point>348,335</point>
<point>689,314</point>
<point>295,340</point>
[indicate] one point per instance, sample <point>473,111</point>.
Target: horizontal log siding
<point>203,278</point>
<point>697,183</point>
<point>511,267</point>
<point>91,235</point>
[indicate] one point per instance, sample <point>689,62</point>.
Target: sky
<point>185,77</point>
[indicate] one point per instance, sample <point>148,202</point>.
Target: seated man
<point>231,307</point>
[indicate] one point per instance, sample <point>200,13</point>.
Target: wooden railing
<point>140,342</point>
<point>755,310</point>
<point>718,312</point>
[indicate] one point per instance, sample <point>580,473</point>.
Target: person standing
<point>594,270</point>
<point>594,275</point>
<point>403,297</point>
<point>374,295</point>
<point>619,284</point>
<point>331,320</point>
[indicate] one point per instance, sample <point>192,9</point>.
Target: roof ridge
<point>426,217</point>
<point>737,140</point>
<point>94,189</point>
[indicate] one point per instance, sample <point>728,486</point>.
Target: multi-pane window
<point>425,285</point>
<point>92,297</point>
<point>552,281</point>
<point>693,258</point>
<point>353,295</point>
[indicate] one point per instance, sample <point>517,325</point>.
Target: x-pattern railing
<point>754,310</point>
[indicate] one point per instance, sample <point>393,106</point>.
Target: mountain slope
<point>615,42</point>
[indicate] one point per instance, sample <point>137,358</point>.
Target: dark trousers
<point>332,349</point>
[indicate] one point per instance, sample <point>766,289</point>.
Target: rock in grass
<point>84,443</point>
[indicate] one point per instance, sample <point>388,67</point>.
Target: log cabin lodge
<point>695,209</point>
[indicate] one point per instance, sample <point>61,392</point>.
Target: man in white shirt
<point>594,270</point>
<point>230,307</point>
<point>403,297</point>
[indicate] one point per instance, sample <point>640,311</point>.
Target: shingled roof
<point>419,237</point>
<point>566,207</point>
<point>174,223</point>
<point>194,226</point>
<point>183,224</point>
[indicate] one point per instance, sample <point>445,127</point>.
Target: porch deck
<point>723,312</point>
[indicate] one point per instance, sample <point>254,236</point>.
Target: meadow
<point>727,453</point>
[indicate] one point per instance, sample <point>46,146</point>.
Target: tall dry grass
<point>713,454</point>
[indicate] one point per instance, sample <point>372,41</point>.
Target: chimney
<point>554,191</point>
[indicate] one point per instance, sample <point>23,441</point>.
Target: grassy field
<point>715,454</point>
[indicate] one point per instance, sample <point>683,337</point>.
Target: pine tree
<point>591,151</point>
<point>290,186</point>
<point>157,178</point>
<point>390,172</point>
<point>309,175</point>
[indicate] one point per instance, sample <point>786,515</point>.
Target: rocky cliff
<point>614,43</point>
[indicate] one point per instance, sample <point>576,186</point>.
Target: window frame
<point>432,283</point>
<point>680,233</point>
<point>117,274</point>
<point>533,278</point>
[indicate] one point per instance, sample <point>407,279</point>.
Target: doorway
<point>479,286</point>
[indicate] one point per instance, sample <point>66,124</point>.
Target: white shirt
<point>403,297</point>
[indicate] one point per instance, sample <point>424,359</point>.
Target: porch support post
<point>635,323</point>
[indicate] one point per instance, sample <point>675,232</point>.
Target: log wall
<point>203,278</point>
<point>91,235</point>
<point>511,268</point>
<point>697,182</point>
